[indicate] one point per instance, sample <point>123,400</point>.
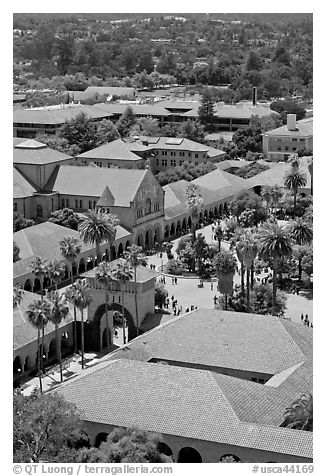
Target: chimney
<point>291,120</point>
<point>254,96</point>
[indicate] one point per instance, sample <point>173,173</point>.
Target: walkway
<point>187,292</point>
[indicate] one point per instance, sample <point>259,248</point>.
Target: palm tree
<point>300,231</point>
<point>135,258</point>
<point>226,265</point>
<point>194,203</point>
<point>38,314</point>
<point>70,248</point>
<point>59,311</point>
<point>122,272</point>
<point>249,251</point>
<point>299,415</point>
<point>103,276</point>
<point>293,180</point>
<point>39,267</point>
<point>55,272</point>
<point>310,168</point>
<point>82,298</point>
<point>17,295</point>
<point>97,228</point>
<point>70,296</point>
<point>219,236</point>
<point>239,252</point>
<point>275,244</point>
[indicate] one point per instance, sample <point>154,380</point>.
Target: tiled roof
<point>22,188</point>
<point>184,144</point>
<point>116,149</point>
<point>43,240</point>
<point>23,332</point>
<point>144,274</point>
<point>138,109</point>
<point>106,199</point>
<point>304,128</point>
<point>242,111</point>
<point>176,401</point>
<point>56,116</point>
<point>275,175</point>
<point>33,152</point>
<point>229,164</point>
<point>91,181</point>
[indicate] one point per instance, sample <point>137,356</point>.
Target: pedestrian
<point>172,298</point>
<point>311,324</point>
<point>302,317</point>
<point>307,317</point>
<point>211,286</point>
<point>192,307</point>
<point>196,307</point>
<point>179,311</point>
<point>164,279</point>
<point>172,280</point>
<point>168,302</point>
<point>175,311</point>
<point>187,309</point>
<point>176,280</point>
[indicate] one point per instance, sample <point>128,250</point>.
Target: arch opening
<point>189,455</point>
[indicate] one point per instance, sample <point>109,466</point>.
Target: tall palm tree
<point>17,295</point>
<point>249,249</point>
<point>299,415</point>
<point>219,236</point>
<point>38,314</point>
<point>103,276</point>
<point>59,311</point>
<point>300,231</point>
<point>39,267</point>
<point>82,298</point>
<point>225,265</point>
<point>97,228</point>
<point>135,258</point>
<point>194,204</point>
<point>275,244</point>
<point>122,272</point>
<point>239,252</point>
<point>70,296</point>
<point>70,248</point>
<point>310,168</point>
<point>293,180</point>
<point>55,272</point>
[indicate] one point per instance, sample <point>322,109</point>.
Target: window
<point>67,202</point>
<point>156,207</point>
<point>139,212</point>
<point>196,156</point>
<point>173,162</point>
<point>80,204</point>
<point>294,148</point>
<point>62,202</point>
<point>294,140</point>
<point>189,154</point>
<point>15,207</point>
<point>39,211</point>
<point>279,148</point>
<point>76,203</point>
<point>90,205</point>
<point>94,204</point>
<point>302,140</point>
<point>286,147</point>
<point>148,206</point>
<point>157,162</point>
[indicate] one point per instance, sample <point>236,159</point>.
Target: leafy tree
<point>248,139</point>
<point>300,232</point>
<point>122,272</point>
<point>46,428</point>
<point>194,204</point>
<point>127,445</point>
<point>285,107</point>
<point>81,298</point>
<point>254,61</point>
<point>16,251</point>
<point>308,261</point>
<point>166,64</point>
<point>299,415</point>
<point>192,130</point>
<point>244,201</point>
<point>135,258</point>
<point>275,244</point>
<point>126,122</point>
<point>147,126</point>
<point>293,180</point>
<point>160,294</point>
<point>79,131</point>
<point>59,311</point>
<point>97,227</point>
<point>106,132</point>
<point>174,266</point>
<point>206,110</point>
<point>271,194</point>
<point>60,144</point>
<point>225,265</point>
<point>64,48</point>
<point>19,223</point>
<point>65,217</point>
<point>281,55</point>
<point>38,314</point>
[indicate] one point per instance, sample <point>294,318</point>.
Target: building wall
<point>40,174</point>
<point>167,159</point>
<point>120,164</point>
<point>25,207</point>
<point>211,452</point>
<point>278,148</point>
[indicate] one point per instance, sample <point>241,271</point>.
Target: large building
<point>214,383</point>
<point>294,137</point>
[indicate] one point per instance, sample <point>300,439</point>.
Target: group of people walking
<point>305,320</point>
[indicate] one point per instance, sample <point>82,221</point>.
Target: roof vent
<point>291,120</point>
